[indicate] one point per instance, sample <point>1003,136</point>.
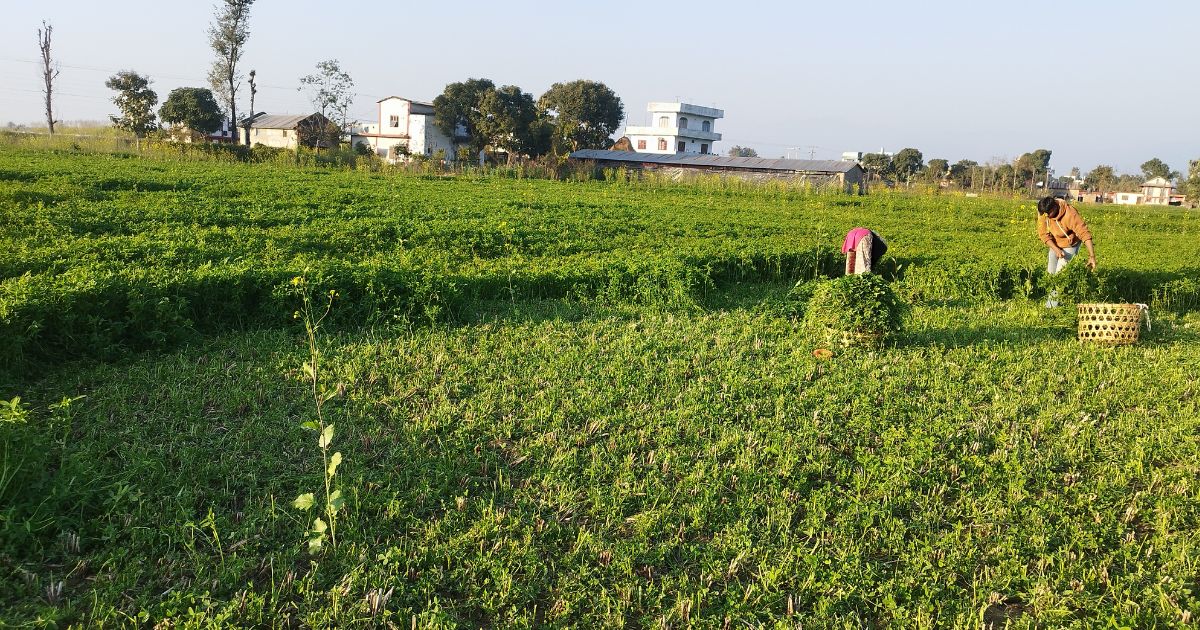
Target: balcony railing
<point>698,134</point>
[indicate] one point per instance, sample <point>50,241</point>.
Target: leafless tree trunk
<point>50,72</point>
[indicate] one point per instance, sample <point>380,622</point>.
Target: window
<point>641,144</point>
<point>682,146</point>
<point>394,121</point>
<point>704,148</point>
<point>285,133</point>
<point>706,126</point>
<point>682,122</point>
<point>663,121</point>
<point>662,144</point>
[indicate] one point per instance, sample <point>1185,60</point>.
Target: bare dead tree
<point>50,72</point>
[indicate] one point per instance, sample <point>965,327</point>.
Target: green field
<point>577,403</point>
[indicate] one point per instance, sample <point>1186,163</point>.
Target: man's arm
<point>1091,262</point>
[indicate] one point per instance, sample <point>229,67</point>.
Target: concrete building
<point>1157,192</point>
<point>288,131</point>
<point>677,128</point>
<point>846,176</point>
<point>406,127</point>
<point>1127,198</point>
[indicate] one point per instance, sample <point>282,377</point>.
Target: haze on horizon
<point>1100,82</point>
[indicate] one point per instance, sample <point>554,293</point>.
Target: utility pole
<point>50,72</point>
<point>250,118</point>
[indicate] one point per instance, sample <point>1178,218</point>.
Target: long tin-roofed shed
<point>849,175</point>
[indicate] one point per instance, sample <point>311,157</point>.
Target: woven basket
<point>1112,324</point>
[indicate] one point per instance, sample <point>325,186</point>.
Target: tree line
<point>1026,173</point>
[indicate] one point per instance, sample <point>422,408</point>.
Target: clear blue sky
<point>1096,81</point>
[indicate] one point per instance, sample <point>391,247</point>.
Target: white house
<point>1157,192</point>
<point>1127,198</point>
<point>406,127</point>
<point>676,128</point>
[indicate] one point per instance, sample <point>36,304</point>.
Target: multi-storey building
<point>676,128</point>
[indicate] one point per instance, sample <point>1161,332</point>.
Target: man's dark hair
<point>1047,204</point>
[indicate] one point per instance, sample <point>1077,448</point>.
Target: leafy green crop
<point>577,404</point>
<point>855,309</point>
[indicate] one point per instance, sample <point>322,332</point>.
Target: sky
<point>1096,81</point>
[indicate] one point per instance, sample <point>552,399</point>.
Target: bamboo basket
<point>1111,324</point>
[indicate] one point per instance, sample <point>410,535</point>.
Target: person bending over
<point>1062,230</point>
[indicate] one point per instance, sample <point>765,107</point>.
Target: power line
<point>169,76</point>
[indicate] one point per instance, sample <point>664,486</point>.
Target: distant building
<point>288,131</point>
<point>1157,192</point>
<point>852,156</point>
<point>406,127</point>
<point>677,128</point>
<point>846,176</point>
<point>1127,198</point>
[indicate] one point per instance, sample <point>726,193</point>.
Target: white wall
<point>691,145</point>
<point>279,138</point>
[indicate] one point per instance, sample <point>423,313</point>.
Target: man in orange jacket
<point>1062,230</point>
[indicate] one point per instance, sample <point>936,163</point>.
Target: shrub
<point>855,310</point>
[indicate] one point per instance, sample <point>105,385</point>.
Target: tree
<point>878,165</point>
<point>506,117</point>
<point>1033,166</point>
<point>582,114</point>
<point>740,151</point>
<point>962,172</point>
<point>194,109</point>
<point>1191,187</point>
<point>907,162</point>
<point>50,72</point>
<point>227,36</point>
<point>1100,179</point>
<point>1155,167</point>
<point>938,169</point>
<point>459,106</point>
<point>136,102</point>
<point>331,91</point>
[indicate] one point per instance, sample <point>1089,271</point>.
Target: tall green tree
<point>908,162</point>
<point>193,110</point>
<point>227,36</point>
<point>1155,167</point>
<point>939,169</point>
<point>1100,179</point>
<point>583,115</point>
<point>878,165</point>
<point>136,102</point>
<point>740,151</point>
<point>962,172</point>
<point>1191,187</point>
<point>506,120</point>
<point>331,91</point>
<point>460,105</point>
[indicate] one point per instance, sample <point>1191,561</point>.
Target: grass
<point>601,460</point>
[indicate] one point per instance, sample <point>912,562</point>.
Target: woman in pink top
<point>862,248</point>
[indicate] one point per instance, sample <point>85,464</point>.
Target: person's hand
<point>1091,263</point>
<point>1059,252</point>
